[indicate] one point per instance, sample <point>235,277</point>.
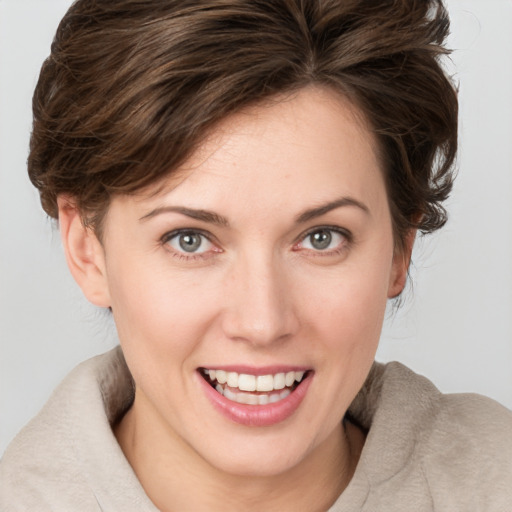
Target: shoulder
<point>463,443</point>
<point>468,445</point>
<point>444,452</point>
<point>47,465</point>
<point>474,417</point>
<point>422,406</point>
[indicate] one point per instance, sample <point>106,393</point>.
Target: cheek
<point>344,320</point>
<point>161,321</point>
<point>352,299</point>
<point>159,310</point>
<point>348,332</point>
<point>347,312</point>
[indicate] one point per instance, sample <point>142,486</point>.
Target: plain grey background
<point>456,323</point>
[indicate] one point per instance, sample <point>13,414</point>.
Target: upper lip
<point>260,370</point>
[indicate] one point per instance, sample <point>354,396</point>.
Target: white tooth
<point>265,383</point>
<point>246,382</point>
<point>211,373</point>
<point>230,395</point>
<point>246,398</point>
<point>288,380</point>
<point>263,399</point>
<point>274,398</point>
<point>284,393</point>
<point>251,399</point>
<point>298,376</point>
<point>241,398</point>
<point>279,381</point>
<point>232,379</point>
<point>222,376</point>
<point>220,389</point>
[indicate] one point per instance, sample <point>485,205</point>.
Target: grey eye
<point>190,242</point>
<point>323,239</point>
<point>320,240</point>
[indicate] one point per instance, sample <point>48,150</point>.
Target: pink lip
<point>260,370</point>
<point>258,415</point>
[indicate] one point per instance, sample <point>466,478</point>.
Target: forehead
<point>303,148</point>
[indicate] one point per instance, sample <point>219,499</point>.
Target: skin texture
<point>257,293</point>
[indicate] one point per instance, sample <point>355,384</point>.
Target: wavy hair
<point>131,89</point>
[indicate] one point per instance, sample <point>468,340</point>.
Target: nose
<point>259,302</point>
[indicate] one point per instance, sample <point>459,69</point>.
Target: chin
<point>262,454</point>
<point>261,465</point>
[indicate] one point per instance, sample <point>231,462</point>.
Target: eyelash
<point>189,256</point>
<point>345,244</point>
<point>167,237</point>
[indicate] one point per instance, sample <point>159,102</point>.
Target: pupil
<point>190,243</point>
<point>321,239</point>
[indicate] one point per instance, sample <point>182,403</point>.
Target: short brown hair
<point>132,87</point>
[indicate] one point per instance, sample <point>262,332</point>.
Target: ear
<point>84,253</point>
<point>401,261</point>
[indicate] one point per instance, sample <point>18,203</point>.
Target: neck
<point>175,477</point>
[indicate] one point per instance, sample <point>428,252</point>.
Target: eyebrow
<point>215,218</point>
<point>203,215</point>
<point>332,205</point>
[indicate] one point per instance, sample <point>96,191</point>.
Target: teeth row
<point>250,399</point>
<point>245,382</point>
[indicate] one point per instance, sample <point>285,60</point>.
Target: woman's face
<point>269,260</point>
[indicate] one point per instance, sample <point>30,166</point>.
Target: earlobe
<point>84,254</point>
<point>401,261</point>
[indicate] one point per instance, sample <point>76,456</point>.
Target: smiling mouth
<point>249,389</point>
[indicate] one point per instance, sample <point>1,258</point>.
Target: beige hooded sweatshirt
<point>425,451</point>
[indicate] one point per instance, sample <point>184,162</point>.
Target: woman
<point>241,184</point>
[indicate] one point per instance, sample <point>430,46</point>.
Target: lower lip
<point>258,415</point>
